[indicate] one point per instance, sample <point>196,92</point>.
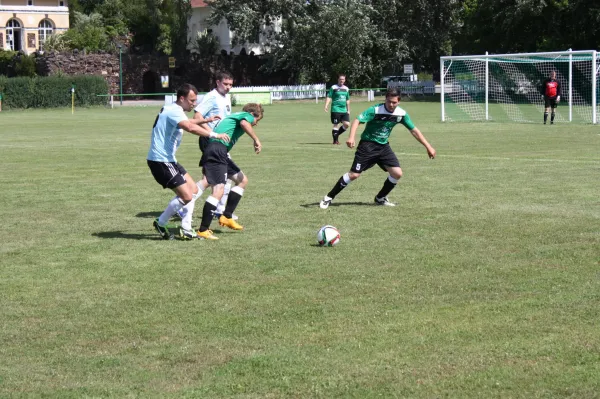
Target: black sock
<point>339,186</point>
<point>552,118</point>
<point>341,130</point>
<point>545,117</point>
<point>232,202</point>
<point>385,190</point>
<point>207,215</point>
<point>334,133</point>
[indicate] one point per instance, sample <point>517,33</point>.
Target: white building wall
<point>197,23</point>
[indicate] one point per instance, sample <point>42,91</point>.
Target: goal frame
<point>486,58</point>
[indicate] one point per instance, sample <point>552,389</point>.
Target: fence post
<point>112,102</point>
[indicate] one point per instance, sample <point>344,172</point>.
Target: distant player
<point>339,97</point>
<point>218,167</point>
<point>551,93</point>
<point>374,148</point>
<point>167,133</point>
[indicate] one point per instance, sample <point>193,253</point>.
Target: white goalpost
<point>508,87</point>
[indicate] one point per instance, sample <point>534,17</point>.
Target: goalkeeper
<point>551,93</point>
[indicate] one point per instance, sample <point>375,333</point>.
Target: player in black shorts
<point>217,167</point>
<point>374,148</point>
<point>166,137</point>
<point>339,97</point>
<point>551,93</point>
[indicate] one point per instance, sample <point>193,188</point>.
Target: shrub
<point>25,65</point>
<point>52,91</point>
<point>6,59</point>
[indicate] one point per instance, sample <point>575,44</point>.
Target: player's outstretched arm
<point>191,127</point>
<point>352,136</point>
<point>200,120</point>
<point>421,139</point>
<point>247,127</point>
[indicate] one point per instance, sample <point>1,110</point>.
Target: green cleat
<point>162,230</point>
<point>186,234</point>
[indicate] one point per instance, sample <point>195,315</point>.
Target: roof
<point>198,3</point>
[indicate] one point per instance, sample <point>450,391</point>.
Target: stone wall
<point>141,73</point>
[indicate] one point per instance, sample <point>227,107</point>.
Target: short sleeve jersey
<point>231,127</point>
<point>380,122</point>
<point>166,135</point>
<point>339,95</point>
<point>213,103</point>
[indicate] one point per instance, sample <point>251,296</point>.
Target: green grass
<point>484,281</point>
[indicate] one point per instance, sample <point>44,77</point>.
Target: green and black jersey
<point>339,95</point>
<point>380,122</point>
<point>231,126</point>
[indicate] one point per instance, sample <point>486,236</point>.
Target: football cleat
<point>384,201</point>
<point>229,222</point>
<point>217,215</point>
<point>207,235</point>
<point>325,202</point>
<point>162,230</point>
<point>186,234</point>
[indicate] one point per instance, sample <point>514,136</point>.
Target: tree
<point>87,33</point>
<point>318,39</point>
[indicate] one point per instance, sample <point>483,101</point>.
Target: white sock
<point>186,221</point>
<point>223,201</point>
<point>175,205</point>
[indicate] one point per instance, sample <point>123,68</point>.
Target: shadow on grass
<point>317,144</point>
<point>339,204</point>
<point>131,236</point>
<point>148,215</point>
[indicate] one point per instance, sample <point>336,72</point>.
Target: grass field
<point>484,282</point>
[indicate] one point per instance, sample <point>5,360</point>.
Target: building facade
<point>26,24</point>
<point>197,24</point>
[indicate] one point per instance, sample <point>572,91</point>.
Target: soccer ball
<point>328,236</point>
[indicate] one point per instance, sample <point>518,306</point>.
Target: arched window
<point>45,29</point>
<point>13,34</point>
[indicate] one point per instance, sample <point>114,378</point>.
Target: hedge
<point>52,91</point>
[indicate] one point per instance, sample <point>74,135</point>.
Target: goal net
<point>508,87</point>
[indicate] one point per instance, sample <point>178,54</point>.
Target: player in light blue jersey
<point>167,133</point>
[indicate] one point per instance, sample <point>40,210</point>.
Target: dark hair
<point>255,109</point>
<point>222,75</point>
<point>340,75</point>
<point>392,93</point>
<point>185,89</point>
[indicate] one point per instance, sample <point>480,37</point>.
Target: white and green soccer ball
<point>328,236</point>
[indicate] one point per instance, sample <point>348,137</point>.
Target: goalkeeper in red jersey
<point>551,93</point>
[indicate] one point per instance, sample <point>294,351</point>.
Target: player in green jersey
<point>339,97</point>
<point>374,147</point>
<point>217,167</point>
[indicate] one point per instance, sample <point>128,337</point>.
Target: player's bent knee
<point>239,178</point>
<point>186,197</point>
<point>396,173</point>
<point>353,175</point>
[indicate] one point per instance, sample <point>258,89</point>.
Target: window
<point>45,30</point>
<point>29,2</point>
<point>13,35</point>
<point>61,3</point>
